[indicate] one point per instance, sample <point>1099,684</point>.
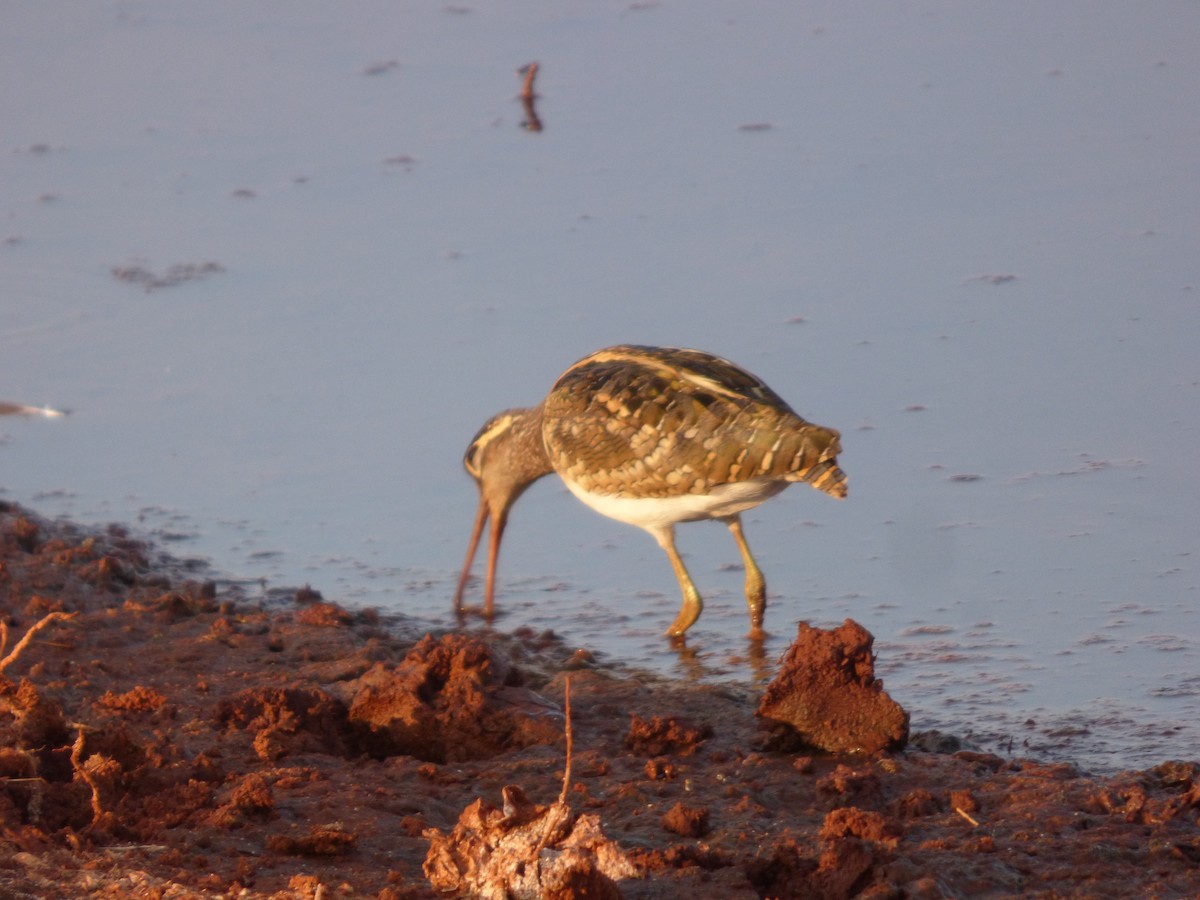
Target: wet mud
<point>163,736</point>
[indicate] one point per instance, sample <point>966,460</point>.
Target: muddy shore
<point>162,736</point>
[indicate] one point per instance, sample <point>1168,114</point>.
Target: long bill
<point>481,518</point>
<point>498,521</point>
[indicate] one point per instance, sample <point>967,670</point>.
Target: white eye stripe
<point>491,431</point>
<point>499,425</point>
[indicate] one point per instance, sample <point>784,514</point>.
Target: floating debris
<point>381,68</point>
<point>992,279</point>
<point>529,97</point>
<point>1087,467</point>
<point>175,274</point>
<point>22,409</point>
<point>38,149</point>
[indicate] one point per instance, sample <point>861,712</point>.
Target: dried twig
<point>530,72</point>
<point>499,853</point>
<point>962,812</point>
<point>131,848</point>
<point>559,819</point>
<point>529,98</point>
<point>562,798</point>
<point>25,641</point>
<point>86,776</point>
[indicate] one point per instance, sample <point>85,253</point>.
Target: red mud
<point>826,695</point>
<point>172,740</point>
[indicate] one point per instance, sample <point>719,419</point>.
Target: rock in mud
<point>450,700</point>
<point>826,695</point>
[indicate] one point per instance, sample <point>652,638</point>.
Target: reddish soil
<point>826,695</point>
<point>170,739</point>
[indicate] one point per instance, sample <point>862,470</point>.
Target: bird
<point>653,437</point>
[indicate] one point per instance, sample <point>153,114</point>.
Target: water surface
<point>281,260</point>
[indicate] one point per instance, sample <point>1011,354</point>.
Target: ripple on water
<point>1185,687</point>
<point>1164,643</point>
<point>914,630</point>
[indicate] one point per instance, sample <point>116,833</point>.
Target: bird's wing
<point>661,422</point>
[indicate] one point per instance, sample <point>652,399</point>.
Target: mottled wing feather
<point>661,422</point>
<point>701,369</point>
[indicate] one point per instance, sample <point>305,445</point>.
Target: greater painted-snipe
<point>652,436</point>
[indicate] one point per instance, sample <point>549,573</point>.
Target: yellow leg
<point>756,585</point>
<point>692,604</point>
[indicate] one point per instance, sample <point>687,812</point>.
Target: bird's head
<point>505,457</point>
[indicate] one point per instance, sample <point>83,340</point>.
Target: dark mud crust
<point>173,740</point>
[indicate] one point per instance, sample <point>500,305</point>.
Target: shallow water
<point>967,237</point>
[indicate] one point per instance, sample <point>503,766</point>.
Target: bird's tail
<point>814,460</point>
<point>826,476</point>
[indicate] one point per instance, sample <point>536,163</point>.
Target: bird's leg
<point>692,604</point>
<point>756,585</point>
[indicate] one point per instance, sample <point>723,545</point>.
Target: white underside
<point>656,513</point>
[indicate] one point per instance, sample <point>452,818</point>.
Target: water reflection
<point>752,667</point>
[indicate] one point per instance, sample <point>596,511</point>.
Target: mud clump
<point>665,735</point>
<point>451,699</point>
<point>318,841</point>
<point>686,821</point>
<point>526,850</point>
<point>331,615</point>
<point>139,699</point>
<point>37,719</point>
<point>289,721</point>
<point>826,695</point>
<point>856,850</point>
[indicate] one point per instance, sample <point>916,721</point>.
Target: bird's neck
<point>527,452</point>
